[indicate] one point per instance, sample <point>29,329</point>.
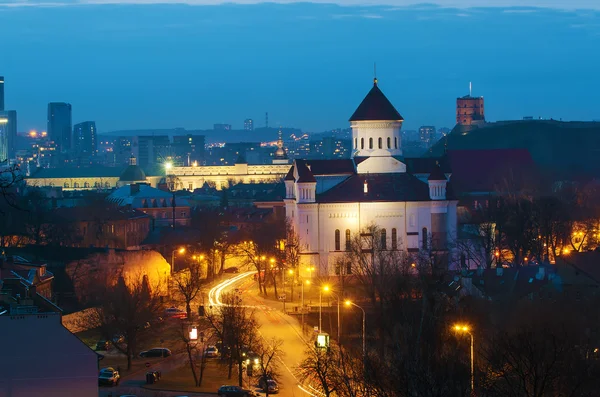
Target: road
<point>273,324</point>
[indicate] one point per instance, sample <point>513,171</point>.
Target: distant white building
<point>329,201</point>
<point>40,357</point>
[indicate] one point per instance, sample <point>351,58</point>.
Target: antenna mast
<point>470,88</point>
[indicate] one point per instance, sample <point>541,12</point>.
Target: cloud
<point>557,4</point>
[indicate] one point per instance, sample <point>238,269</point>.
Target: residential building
<point>29,274</point>
<point>248,125</point>
<point>85,142</point>
<point>328,202</point>
<point>427,135</point>
<point>1,93</point>
<point>222,127</point>
<point>164,207</point>
<point>188,149</point>
<point>40,357</point>
<point>60,125</point>
<point>151,150</point>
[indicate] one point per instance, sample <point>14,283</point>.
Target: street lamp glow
<point>290,272</point>
<point>307,282</point>
<point>347,303</point>
<point>272,260</point>
<point>326,288</point>
<point>168,165</point>
<point>465,329</point>
<point>181,250</point>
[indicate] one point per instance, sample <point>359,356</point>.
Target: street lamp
<point>364,321</point>
<point>307,282</point>
<point>465,329</point>
<point>181,251</point>
<point>326,289</point>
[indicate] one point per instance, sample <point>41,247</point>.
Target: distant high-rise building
<point>8,134</point>
<point>151,150</point>
<point>1,93</point>
<point>222,127</point>
<point>248,125</point>
<point>188,149</point>
<point>60,125</point>
<point>427,135</point>
<point>469,110</point>
<point>85,142</point>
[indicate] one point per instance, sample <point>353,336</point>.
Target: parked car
<point>102,345</point>
<point>156,352</point>
<point>108,377</point>
<point>231,270</point>
<point>234,391</point>
<point>119,338</point>
<point>268,383</point>
<point>174,312</point>
<point>211,351</point>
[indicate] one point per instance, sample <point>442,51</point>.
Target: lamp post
<point>364,323</point>
<point>291,273</point>
<point>465,329</point>
<point>326,289</point>
<point>181,251</point>
<point>307,282</point>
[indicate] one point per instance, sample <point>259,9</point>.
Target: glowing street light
<point>181,251</point>
<point>364,321</point>
<point>168,166</point>
<point>465,329</point>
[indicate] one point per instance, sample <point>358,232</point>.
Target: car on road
<point>102,345</point>
<point>231,270</point>
<point>174,312</point>
<point>108,377</point>
<point>211,352</point>
<point>268,383</point>
<point>234,391</point>
<point>119,338</point>
<point>156,352</point>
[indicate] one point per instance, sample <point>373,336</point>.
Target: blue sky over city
<point>133,66</point>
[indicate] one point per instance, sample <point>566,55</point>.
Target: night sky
<point>309,65</point>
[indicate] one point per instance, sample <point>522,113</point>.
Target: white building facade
<point>329,201</point>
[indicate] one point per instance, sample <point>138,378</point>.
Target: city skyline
<point>202,76</point>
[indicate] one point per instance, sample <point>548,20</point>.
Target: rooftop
<point>376,106</point>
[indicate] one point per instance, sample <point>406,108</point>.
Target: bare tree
<point>195,348</point>
<point>126,309</point>
<point>236,328</point>
<point>188,284</point>
<point>319,370</point>
<point>270,353</point>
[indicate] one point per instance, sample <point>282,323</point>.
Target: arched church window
<point>355,143</point>
<point>86,184</point>
<point>394,239</point>
<point>424,237</point>
<point>66,184</point>
<point>362,143</point>
<point>76,185</point>
<point>370,143</point>
<point>348,242</point>
<point>337,239</point>
<point>395,143</point>
<point>380,143</point>
<point>389,142</point>
<point>383,239</point>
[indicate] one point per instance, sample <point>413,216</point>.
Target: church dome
<point>376,107</point>
<point>133,172</point>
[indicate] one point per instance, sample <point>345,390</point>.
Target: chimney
<point>134,188</point>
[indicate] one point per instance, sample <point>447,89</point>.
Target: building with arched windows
<point>329,201</point>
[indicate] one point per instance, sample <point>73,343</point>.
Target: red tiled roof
<point>376,106</point>
<point>483,170</point>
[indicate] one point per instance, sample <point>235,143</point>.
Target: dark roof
<point>375,106</point>
<point>304,174</point>
<point>437,174</point>
<point>133,173</point>
<point>424,165</point>
<point>84,172</point>
<point>390,187</point>
<point>586,262</point>
<point>510,283</point>
<point>109,213</point>
<point>329,167</point>
<point>290,174</point>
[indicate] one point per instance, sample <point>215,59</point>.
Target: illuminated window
<point>389,142</point>
<point>370,143</point>
<point>380,143</point>
<point>337,239</point>
<point>348,240</point>
<point>383,239</point>
<point>394,239</point>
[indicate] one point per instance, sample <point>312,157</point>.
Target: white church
<point>329,201</point>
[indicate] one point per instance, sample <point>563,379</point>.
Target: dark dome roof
<point>437,174</point>
<point>133,173</point>
<point>376,106</point>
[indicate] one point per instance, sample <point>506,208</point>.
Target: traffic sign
<point>282,297</point>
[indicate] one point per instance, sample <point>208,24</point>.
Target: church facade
<point>328,202</point>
